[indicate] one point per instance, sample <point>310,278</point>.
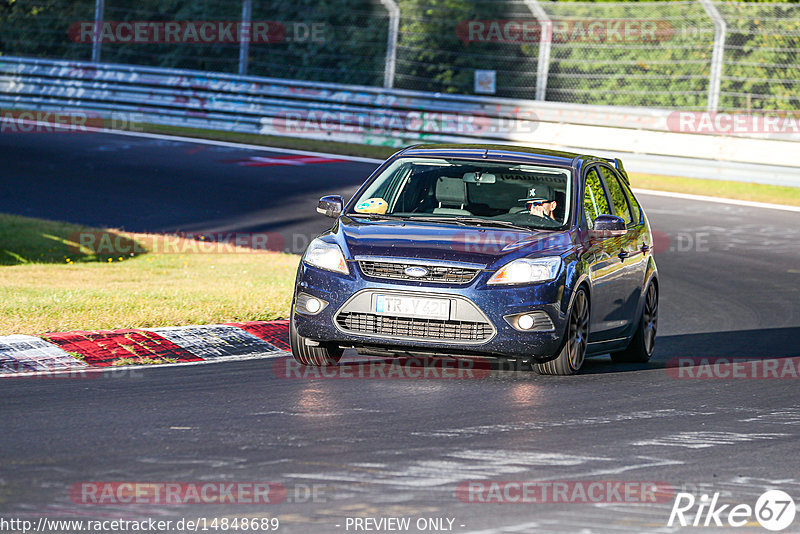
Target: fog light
<point>310,305</point>
<point>525,322</point>
<point>314,305</point>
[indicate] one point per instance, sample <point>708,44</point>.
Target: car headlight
<point>326,256</point>
<point>527,271</point>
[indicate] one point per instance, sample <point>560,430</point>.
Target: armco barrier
<point>370,115</point>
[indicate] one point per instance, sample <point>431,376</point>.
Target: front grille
<point>402,327</point>
<point>436,273</point>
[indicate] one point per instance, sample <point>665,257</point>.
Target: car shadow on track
<point>683,349</point>
<point>681,355</point>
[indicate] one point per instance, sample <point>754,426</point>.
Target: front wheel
<point>644,340</point>
<point>570,358</point>
<point>312,356</point>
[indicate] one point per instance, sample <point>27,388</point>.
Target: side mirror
<point>609,226</point>
<point>331,206</point>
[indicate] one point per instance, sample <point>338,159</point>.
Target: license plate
<point>412,307</point>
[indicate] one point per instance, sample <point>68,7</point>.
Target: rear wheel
<point>644,340</point>
<point>312,356</point>
<point>570,358</point>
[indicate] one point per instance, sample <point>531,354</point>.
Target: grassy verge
<point>716,188</point>
<point>774,194</point>
<point>50,283</point>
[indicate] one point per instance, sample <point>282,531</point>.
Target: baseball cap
<point>540,192</point>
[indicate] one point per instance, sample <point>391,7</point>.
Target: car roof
<point>500,152</point>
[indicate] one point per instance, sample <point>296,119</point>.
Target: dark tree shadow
<point>25,240</point>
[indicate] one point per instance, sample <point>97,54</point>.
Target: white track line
<point>197,140</point>
<point>654,192</point>
<point>245,146</point>
<point>717,200</point>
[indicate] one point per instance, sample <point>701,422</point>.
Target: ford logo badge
<point>416,272</point>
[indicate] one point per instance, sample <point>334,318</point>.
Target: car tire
<point>643,342</point>
<point>571,356</point>
<point>311,356</point>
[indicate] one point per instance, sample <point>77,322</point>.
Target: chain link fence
<point>654,54</point>
<point>761,67</point>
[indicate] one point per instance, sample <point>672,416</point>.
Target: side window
<point>594,198</point>
<point>618,199</point>
<point>636,210</point>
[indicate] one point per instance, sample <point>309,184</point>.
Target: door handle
<point>645,248</point>
<point>623,254</point>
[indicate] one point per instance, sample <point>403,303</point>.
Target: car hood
<point>441,241</point>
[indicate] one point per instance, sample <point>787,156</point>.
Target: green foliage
<point>761,70</point>
<point>39,28</point>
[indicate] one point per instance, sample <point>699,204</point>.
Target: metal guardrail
<point>366,115</point>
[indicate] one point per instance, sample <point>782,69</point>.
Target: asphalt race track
<point>152,185</point>
<point>400,448</point>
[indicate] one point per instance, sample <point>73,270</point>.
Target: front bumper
<point>493,302</point>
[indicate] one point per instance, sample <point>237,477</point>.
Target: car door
<point>605,267</point>
<point>628,249</point>
<point>640,235</point>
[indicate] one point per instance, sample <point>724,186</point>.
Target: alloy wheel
<point>650,319</point>
<point>578,330</point>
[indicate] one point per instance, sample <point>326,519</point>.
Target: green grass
<point>49,284</point>
<point>774,194</point>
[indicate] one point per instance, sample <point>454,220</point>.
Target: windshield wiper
<point>470,221</point>
<point>460,220</point>
<point>379,216</point>
<point>493,222</point>
<point>426,218</point>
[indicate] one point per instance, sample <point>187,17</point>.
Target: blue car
<point>531,255</point>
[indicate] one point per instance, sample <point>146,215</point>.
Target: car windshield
<point>469,192</point>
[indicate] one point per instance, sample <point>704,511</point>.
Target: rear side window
<point>636,210</point>
<point>618,199</point>
<point>594,198</point>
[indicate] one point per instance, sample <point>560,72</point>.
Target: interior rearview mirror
<point>331,206</point>
<point>479,178</point>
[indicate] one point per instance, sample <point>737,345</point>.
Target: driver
<point>541,202</point>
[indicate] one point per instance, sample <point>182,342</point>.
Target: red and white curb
<point>81,351</point>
